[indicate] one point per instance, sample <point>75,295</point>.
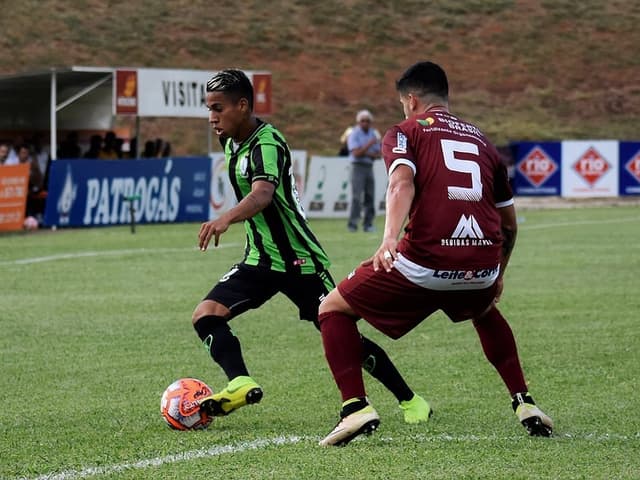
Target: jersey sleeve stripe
<point>402,161</point>
<point>505,203</point>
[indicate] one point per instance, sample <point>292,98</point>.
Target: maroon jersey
<point>459,182</point>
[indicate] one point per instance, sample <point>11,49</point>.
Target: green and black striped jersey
<point>279,237</point>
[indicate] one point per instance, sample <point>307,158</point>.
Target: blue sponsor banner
<point>629,168</point>
<point>538,168</point>
<point>95,192</point>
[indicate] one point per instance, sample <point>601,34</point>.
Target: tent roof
<point>25,98</point>
<point>82,98</point>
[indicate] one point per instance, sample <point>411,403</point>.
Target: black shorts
<point>245,287</point>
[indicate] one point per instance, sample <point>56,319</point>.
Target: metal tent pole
<point>53,124</point>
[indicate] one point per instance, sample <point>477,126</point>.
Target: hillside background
<point>520,70</point>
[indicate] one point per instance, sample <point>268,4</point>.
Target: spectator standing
<point>149,149</point>
<point>109,149</point>
<point>4,153</point>
<point>448,180</point>
<point>166,150</point>
<point>35,201</point>
<point>344,149</point>
<point>12,157</point>
<point>70,148</point>
<point>95,145</point>
<point>35,174</point>
<point>364,148</point>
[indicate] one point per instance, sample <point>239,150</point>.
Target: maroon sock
<point>343,350</point>
<point>500,349</point>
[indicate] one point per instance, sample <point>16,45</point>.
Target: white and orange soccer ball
<point>179,404</point>
<point>30,223</point>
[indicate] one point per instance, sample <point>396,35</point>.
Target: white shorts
<point>446,279</point>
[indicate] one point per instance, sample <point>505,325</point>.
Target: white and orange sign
<point>590,168</point>
<point>14,185</point>
<point>163,92</point>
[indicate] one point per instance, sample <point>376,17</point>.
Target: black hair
<point>234,83</point>
<point>424,79</point>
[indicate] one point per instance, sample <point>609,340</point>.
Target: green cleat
<point>416,410</point>
<point>240,391</point>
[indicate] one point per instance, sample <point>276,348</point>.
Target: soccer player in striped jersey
<point>282,254</point>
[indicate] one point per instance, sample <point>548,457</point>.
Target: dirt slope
<point>519,69</point>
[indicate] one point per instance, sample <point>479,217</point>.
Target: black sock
<point>376,361</point>
<point>353,407</point>
<point>521,397</point>
<point>222,344</point>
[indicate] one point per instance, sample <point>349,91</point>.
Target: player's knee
<point>208,308</point>
<point>331,303</point>
<point>487,316</point>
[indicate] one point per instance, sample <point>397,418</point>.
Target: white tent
<point>69,98</point>
<point>87,98</point>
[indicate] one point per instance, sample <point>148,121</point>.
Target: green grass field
<point>96,323</point>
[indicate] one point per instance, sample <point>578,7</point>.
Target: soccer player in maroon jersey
<point>448,180</point>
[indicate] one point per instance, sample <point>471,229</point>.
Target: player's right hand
<point>213,228</point>
<point>384,256</point>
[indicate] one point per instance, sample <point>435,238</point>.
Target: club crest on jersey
<point>401,143</point>
<point>244,166</point>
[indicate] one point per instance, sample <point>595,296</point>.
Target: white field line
<point>291,440</point>
<point>177,457</point>
<point>523,226</point>
<point>142,251</point>
<point>107,253</point>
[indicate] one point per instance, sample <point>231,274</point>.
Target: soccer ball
<point>30,223</point>
<point>179,404</point>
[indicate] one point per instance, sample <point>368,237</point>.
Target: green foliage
<point>96,323</point>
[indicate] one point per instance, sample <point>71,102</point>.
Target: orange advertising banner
<point>262,89</point>
<point>126,87</point>
<point>14,185</point>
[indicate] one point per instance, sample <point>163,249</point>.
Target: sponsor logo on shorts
<point>466,275</point>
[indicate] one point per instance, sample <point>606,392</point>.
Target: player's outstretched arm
<point>400,194</point>
<point>257,200</point>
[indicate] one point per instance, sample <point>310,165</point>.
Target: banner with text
<point>629,168</point>
<point>162,92</point>
<point>590,168</point>
<point>537,169</point>
<point>14,186</point>
<point>328,190</point>
<point>101,192</point>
